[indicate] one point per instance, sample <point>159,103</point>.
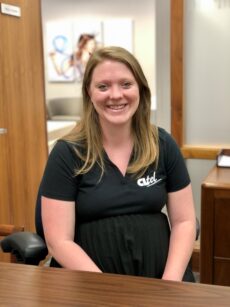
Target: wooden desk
<point>215,228</point>
<point>57,129</point>
<point>23,285</point>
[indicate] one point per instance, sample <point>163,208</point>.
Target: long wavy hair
<point>88,135</point>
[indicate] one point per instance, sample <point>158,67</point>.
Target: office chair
<point>66,108</point>
<point>30,248</point>
<point>27,247</point>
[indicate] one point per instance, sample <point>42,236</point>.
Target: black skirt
<point>129,244</point>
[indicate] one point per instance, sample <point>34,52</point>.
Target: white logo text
<point>148,181</point>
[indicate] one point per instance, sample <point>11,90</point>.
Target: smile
<point>117,107</point>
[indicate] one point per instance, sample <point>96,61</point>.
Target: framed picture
<point>59,51</point>
<point>87,37</point>
<point>69,45</point>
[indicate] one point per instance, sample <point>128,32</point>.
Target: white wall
<point>141,12</point>
<point>163,114</point>
<point>206,83</point>
<point>207,72</point>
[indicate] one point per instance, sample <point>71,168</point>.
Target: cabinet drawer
<point>221,272</point>
<point>222,228</point>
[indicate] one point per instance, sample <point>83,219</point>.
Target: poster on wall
<point>87,37</point>
<point>70,44</point>
<point>59,51</point>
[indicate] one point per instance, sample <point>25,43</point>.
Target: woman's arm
<point>58,219</point>
<point>183,231</point>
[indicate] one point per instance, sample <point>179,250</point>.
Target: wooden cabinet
<point>215,228</point>
<point>23,141</point>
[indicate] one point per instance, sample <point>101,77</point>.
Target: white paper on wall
<point>118,32</point>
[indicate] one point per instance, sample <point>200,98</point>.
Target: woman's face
<point>114,93</point>
<point>90,46</point>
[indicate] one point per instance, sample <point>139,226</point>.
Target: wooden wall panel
<point>177,7</point>
<point>23,101</point>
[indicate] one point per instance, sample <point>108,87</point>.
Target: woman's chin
<point>116,120</point>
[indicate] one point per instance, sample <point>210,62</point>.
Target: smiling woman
<point>114,93</point>
<point>107,181</point>
<point>110,25</point>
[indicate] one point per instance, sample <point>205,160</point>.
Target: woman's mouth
<point>117,106</point>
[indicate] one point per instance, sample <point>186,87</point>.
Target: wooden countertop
<point>24,285</point>
<point>218,177</point>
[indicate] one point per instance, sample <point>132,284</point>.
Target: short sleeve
<point>59,180</point>
<point>177,176</point>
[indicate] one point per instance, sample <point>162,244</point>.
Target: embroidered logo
<point>148,181</point>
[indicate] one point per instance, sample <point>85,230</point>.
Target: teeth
<point>117,107</point>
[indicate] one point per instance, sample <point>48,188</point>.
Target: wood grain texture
<point>177,103</point>
<point>22,101</point>
<point>6,230</point>
<point>36,286</point>
<point>215,228</point>
<point>207,152</point>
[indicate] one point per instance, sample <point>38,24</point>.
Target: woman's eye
<point>126,85</point>
<point>102,87</point>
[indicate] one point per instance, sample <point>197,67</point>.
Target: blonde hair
<point>87,134</point>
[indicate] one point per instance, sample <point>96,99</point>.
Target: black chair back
<point>38,216</point>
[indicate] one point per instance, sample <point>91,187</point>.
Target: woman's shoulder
<point>166,141</point>
<point>64,148</point>
<point>63,145</point>
<point>164,136</point>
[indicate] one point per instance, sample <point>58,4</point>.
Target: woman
<point>64,64</point>
<point>106,183</point>
<point>85,47</point>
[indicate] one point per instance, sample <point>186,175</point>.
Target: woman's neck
<point>118,144</point>
<point>117,135</point>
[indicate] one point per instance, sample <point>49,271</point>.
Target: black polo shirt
<point>114,194</point>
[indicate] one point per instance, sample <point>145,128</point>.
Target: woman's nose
<point>115,92</point>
